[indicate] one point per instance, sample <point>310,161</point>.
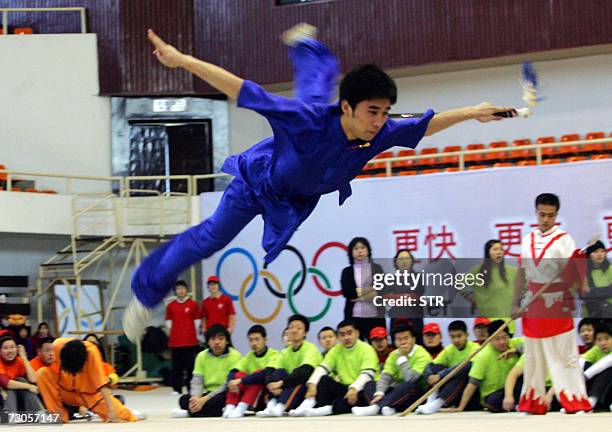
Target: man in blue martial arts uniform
<point>317,148</point>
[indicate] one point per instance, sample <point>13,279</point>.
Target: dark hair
<point>19,328</point>
<point>73,356</point>
<point>366,82</point>
<point>352,245</point>
<point>327,328</point>
<point>603,327</point>
<point>180,283</point>
<point>399,251</point>
<point>494,325</point>
<point>400,328</point>
<point>257,329</point>
<point>586,321</point>
<point>94,335</point>
<point>7,338</point>
<point>457,325</point>
<point>298,317</point>
<point>548,199</point>
<point>487,264</point>
<point>43,324</point>
<point>591,264</point>
<point>216,330</point>
<point>347,323</point>
<point>43,341</point>
<point>98,343</point>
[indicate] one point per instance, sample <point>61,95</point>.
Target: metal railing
<point>82,12</point>
<point>123,184</point>
<point>461,154</point>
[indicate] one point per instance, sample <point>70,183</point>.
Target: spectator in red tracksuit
<point>181,315</point>
<point>217,308</point>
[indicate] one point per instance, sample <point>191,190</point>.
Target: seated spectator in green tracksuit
<point>401,382</point>
<point>445,363</point>
<point>207,392</point>
<point>598,369</point>
<point>286,375</point>
<point>337,383</point>
<point>247,380</point>
<point>489,370</point>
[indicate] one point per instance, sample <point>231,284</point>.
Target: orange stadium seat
<point>430,171</point>
<point>450,160</point>
<point>518,153</point>
<point>551,161</point>
<point>498,155</point>
<point>503,164</point>
<point>408,173</point>
<point>600,156</point>
<point>596,147</point>
<point>48,191</point>
<point>474,157</point>
<point>3,176</point>
<point>429,161</point>
<point>23,30</point>
<point>576,159</point>
<point>569,150</point>
<point>452,169</point>
<point>477,167</point>
<point>526,163</point>
<point>405,163</point>
<point>546,152</point>
<point>376,167</point>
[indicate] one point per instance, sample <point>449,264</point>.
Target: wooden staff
<point>464,363</point>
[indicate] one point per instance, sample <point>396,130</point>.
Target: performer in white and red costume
<point>549,254</point>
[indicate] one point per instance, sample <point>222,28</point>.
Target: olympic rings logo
<point>271,282</point>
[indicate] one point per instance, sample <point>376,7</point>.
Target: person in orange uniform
<point>45,354</point>
<point>77,378</point>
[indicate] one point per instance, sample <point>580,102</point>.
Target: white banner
<point>436,216</point>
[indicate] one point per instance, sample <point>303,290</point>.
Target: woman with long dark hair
<point>356,282</point>
<point>598,301</point>
<point>42,331</point>
<point>493,298</point>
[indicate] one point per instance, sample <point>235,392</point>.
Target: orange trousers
<point>56,396</point>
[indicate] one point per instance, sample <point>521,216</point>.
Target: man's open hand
<point>165,53</point>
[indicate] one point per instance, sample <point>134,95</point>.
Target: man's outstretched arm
<point>483,113</point>
<point>219,78</point>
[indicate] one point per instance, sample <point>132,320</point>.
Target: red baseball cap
<point>482,321</point>
<point>432,328</point>
<point>212,279</point>
<point>378,333</point>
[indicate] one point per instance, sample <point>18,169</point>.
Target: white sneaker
<point>135,319</point>
<point>278,410</point>
<point>299,33</point>
<point>179,413</point>
<point>140,415</point>
<point>267,412</point>
<point>238,411</point>
<point>370,410</point>
<point>388,411</point>
<point>227,410</point>
<point>300,410</point>
<point>175,393</point>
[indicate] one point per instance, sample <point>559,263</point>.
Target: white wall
<point>577,95</point>
<point>52,119</point>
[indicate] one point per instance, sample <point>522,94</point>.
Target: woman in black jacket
<point>356,282</point>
